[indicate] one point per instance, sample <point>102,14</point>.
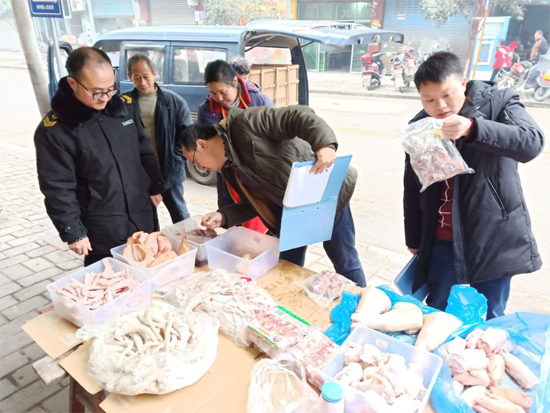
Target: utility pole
<point>34,61</point>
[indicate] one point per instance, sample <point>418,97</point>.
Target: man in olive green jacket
<point>254,149</point>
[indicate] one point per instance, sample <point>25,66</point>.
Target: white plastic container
<point>174,232</point>
<point>427,364</point>
<point>226,251</point>
<point>126,302</point>
<point>166,273</point>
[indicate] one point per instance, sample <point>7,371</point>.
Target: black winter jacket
<point>96,170</point>
<point>172,115</point>
<point>492,235</point>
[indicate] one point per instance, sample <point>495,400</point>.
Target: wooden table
<point>224,388</point>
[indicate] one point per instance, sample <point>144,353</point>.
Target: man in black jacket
<point>96,168</point>
<point>474,229</point>
<point>165,115</point>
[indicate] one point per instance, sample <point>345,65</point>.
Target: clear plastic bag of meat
<point>279,386</point>
<point>233,300</point>
<point>324,287</point>
<point>155,350</point>
<point>434,157</point>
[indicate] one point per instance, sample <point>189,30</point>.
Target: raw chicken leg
<point>496,369</point>
<point>492,339</point>
<point>373,302</point>
<point>515,396</point>
<point>403,316</point>
<point>437,327</point>
<point>453,347</point>
<point>519,371</point>
<point>370,356</point>
<point>382,386</point>
<point>495,404</point>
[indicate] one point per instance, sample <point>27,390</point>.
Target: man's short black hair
<point>84,56</point>
<point>190,135</point>
<point>437,68</point>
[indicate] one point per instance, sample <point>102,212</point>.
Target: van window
<point>156,55</point>
<point>113,51</point>
<point>268,56</point>
<point>189,63</point>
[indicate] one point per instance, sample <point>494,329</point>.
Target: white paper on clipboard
<point>304,188</point>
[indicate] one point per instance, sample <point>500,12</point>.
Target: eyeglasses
<point>99,95</point>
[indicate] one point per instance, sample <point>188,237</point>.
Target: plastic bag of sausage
<point>280,386</point>
<point>434,157</point>
<point>324,287</point>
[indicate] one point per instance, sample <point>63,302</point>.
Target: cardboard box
<point>279,82</point>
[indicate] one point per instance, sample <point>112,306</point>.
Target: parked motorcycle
<point>373,70</point>
<point>542,90</point>
<point>404,67</point>
<point>515,77</point>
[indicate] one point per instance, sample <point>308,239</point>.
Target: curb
<point>526,103</point>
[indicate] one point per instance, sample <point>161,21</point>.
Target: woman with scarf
<point>227,90</point>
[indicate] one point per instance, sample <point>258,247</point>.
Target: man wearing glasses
<point>96,168</point>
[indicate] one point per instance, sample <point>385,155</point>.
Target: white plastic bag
<point>324,287</point>
<point>155,350</point>
<point>434,157</point>
<point>230,298</point>
<point>279,386</point>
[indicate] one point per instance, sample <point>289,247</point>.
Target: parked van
<point>181,53</point>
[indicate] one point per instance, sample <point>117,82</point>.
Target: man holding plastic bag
<point>469,227</point>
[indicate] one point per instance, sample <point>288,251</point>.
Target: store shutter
<point>170,12</point>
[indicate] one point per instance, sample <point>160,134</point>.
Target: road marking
<point>365,132</point>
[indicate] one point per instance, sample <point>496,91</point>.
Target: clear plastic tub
<point>166,273</point>
<point>81,316</point>
<point>427,364</point>
<point>226,252</point>
<point>174,232</point>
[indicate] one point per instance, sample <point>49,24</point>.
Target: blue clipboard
<point>313,223</point>
<point>405,279</point>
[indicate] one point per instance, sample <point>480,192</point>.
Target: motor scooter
<point>373,70</point>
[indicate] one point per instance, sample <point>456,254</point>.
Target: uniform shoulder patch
<point>126,99</point>
<point>49,120</point>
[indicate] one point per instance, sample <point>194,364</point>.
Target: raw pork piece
<point>496,369</point>
<point>453,347</point>
<point>403,316</point>
<point>148,250</point>
<point>98,288</point>
<point>382,386</point>
<point>490,403</point>
<point>515,396</point>
<point>352,353</point>
<point>469,395</point>
<point>406,404</point>
<point>519,371</point>
<point>350,374</point>
<point>473,338</point>
<point>467,360</point>
<point>395,370</point>
<point>373,302</point>
<point>492,339</point>
<point>473,378</point>
<point>370,356</point>
<point>458,387</point>
<point>437,327</point>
